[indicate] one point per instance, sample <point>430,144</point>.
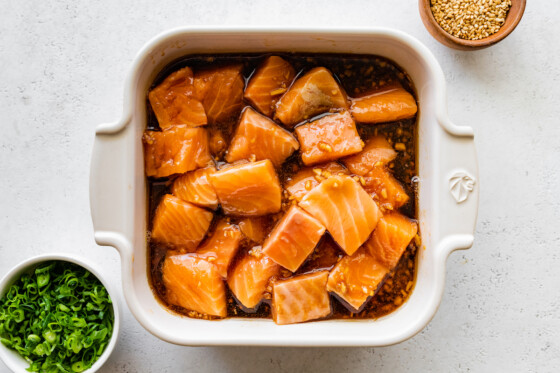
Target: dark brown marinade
<point>358,74</point>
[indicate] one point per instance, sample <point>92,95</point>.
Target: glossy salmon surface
<point>175,150</point>
<point>376,153</point>
<point>220,248</point>
<point>356,278</point>
<point>386,105</point>
<point>194,284</point>
<point>301,298</point>
<point>180,224</point>
<point>385,189</point>
<point>308,178</point>
<point>345,209</point>
<point>195,187</point>
<point>391,237</point>
<point>328,139</point>
<point>293,238</point>
<point>249,279</point>
<point>221,92</point>
<point>256,229</point>
<point>248,189</point>
<point>269,82</point>
<point>258,138</point>
<point>314,93</point>
<point>172,101</point>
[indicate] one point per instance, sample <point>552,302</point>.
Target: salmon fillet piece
<point>314,93</point>
<point>172,101</point>
<point>387,105</point>
<point>329,138</point>
<point>249,278</point>
<point>385,189</point>
<point>195,187</point>
<point>268,83</point>
<point>293,238</point>
<point>180,224</point>
<point>175,150</point>
<point>256,228</point>
<point>194,284</point>
<point>391,238</point>
<point>259,138</point>
<point>221,92</point>
<point>325,256</point>
<point>348,212</point>
<point>356,278</point>
<point>308,178</point>
<point>301,298</point>
<point>248,189</point>
<point>220,248</point>
<point>376,153</point>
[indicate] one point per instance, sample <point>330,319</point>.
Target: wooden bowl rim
<point>504,31</point>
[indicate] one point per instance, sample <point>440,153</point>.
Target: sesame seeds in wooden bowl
<point>470,24</point>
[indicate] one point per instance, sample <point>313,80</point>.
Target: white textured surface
<point>62,69</point>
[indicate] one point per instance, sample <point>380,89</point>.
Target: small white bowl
<point>10,357</point>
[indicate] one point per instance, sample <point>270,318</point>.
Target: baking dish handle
<point>458,201</point>
<point>110,189</point>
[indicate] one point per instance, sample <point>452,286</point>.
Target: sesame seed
<point>470,19</point>
<point>277,91</point>
<point>384,193</point>
<point>325,147</point>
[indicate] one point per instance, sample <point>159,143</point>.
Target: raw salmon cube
<point>194,284</point>
<point>249,279</point>
<point>173,103</point>
<point>259,138</point>
<point>387,105</point>
<point>385,189</point>
<point>221,92</point>
<point>356,278</point>
<point>268,83</point>
<point>180,224</point>
<point>175,150</point>
<point>309,177</point>
<point>376,153</point>
<point>248,189</point>
<point>293,238</point>
<point>314,93</point>
<point>301,298</point>
<point>348,212</point>
<point>329,138</point>
<point>220,248</point>
<point>325,256</point>
<point>195,187</point>
<point>256,228</point>
<point>391,238</point>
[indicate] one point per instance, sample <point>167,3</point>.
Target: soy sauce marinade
<point>357,74</point>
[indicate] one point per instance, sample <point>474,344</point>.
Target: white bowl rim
<point>8,356</point>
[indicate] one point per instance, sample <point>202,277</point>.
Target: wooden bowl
<point>512,19</point>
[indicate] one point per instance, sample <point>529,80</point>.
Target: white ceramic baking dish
<point>448,187</point>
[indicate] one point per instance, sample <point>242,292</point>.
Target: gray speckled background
<point>62,68</point>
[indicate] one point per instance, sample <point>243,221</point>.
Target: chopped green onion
<point>59,318</point>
